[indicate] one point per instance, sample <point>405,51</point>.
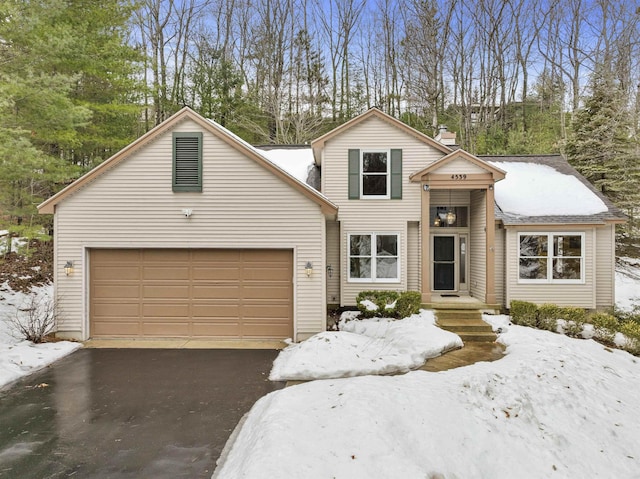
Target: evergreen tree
<point>601,145</point>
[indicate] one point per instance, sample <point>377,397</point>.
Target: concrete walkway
<point>472,352</point>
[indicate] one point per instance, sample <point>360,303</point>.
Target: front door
<point>444,263</point>
<point>450,262</point>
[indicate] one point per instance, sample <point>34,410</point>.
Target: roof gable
<point>48,206</point>
<point>459,156</point>
<point>318,144</point>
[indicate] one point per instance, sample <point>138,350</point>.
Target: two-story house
<point>192,232</point>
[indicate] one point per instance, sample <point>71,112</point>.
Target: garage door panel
<point>116,310</point>
<point>116,328</point>
<point>166,291</point>
<point>216,291</point>
<point>226,329</point>
<point>216,271</point>
<point>166,256</point>
<point>166,272</point>
<point>166,329</point>
<point>262,328</point>
<point>114,291</point>
<point>266,292</point>
<point>266,273</point>
<point>270,311</point>
<point>166,310</point>
<point>116,272</point>
<point>200,311</point>
<point>191,293</point>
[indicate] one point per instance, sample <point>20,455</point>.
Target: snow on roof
<point>295,161</point>
<point>532,189</point>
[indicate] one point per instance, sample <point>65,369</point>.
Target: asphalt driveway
<point>129,413</point>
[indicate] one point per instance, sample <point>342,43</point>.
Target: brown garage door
<point>191,293</point>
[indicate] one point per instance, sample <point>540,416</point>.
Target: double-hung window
<point>551,257</point>
<point>375,174</point>
<point>187,162</point>
<point>373,257</point>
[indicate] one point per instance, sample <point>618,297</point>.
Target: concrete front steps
<point>466,323</point>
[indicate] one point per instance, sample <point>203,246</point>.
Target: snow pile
<point>368,346</point>
<point>17,356</point>
<point>297,162</point>
<point>627,283</point>
<point>552,407</point>
<point>531,189</point>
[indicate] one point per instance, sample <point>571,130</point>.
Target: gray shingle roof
<point>561,165</point>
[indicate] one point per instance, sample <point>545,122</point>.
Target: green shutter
<point>396,174</point>
<point>354,174</point>
<point>187,162</point>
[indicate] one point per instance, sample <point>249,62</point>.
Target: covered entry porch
<point>457,230</point>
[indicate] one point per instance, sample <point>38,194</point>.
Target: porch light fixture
<point>308,268</point>
<point>68,268</point>
<point>436,222</point>
<point>330,271</point>
<point>451,215</point>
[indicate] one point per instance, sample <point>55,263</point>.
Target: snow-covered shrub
<point>388,304</point>
<point>408,303</point>
<point>605,326</point>
<point>548,317</point>
<point>376,303</point>
<point>34,319</point>
<point>631,330</point>
<point>574,319</point>
<point>524,313</point>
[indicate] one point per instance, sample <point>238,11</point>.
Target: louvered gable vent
<point>187,162</point>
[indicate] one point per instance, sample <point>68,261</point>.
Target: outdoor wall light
<point>436,222</point>
<point>330,271</point>
<point>425,187</point>
<point>68,268</point>
<point>308,268</point>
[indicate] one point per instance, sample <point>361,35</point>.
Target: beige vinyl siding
<point>333,259</point>
<point>499,264</point>
<point>374,134</point>
<point>242,205</point>
<point>374,215</point>
<point>605,266</point>
<point>461,166</point>
<point>477,246</point>
<point>580,295</point>
<point>413,256</point>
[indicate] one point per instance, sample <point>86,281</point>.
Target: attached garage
<point>192,293</point>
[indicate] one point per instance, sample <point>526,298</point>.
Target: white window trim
<point>373,279</point>
<point>550,257</point>
<point>388,174</point>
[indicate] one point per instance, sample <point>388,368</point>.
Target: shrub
<point>574,319</point>
<point>605,326</point>
<point>631,330</point>
<point>35,319</point>
<point>389,304</point>
<point>548,317</point>
<point>524,313</point>
<point>408,303</point>
<point>384,302</point>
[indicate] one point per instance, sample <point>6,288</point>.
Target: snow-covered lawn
<point>552,407</point>
<point>374,346</point>
<point>17,356</point>
<point>627,283</point>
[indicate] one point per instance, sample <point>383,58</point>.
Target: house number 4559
<point>458,177</point>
